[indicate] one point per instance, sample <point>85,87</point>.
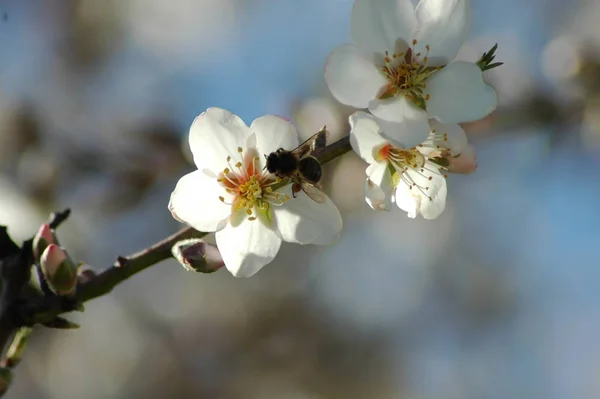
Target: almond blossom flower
<point>231,193</point>
<point>414,178</point>
<point>399,68</point>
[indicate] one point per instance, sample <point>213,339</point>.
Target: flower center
<point>251,188</point>
<point>407,73</point>
<point>409,166</point>
<point>401,158</point>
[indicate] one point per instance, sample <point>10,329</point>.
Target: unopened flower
<point>196,255</point>
<point>399,67</point>
<point>42,239</point>
<point>415,177</point>
<point>232,194</point>
<point>59,270</point>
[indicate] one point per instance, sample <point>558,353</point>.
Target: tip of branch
<point>57,218</point>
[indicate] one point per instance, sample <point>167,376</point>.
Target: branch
<point>45,309</point>
<point>15,273</point>
<point>334,150</point>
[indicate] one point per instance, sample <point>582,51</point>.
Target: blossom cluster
<point>257,186</point>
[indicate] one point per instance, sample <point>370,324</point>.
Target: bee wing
<point>316,142</point>
<point>312,191</point>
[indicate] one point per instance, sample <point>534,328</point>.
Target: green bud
<point>59,270</point>
<point>486,63</point>
<point>197,256</point>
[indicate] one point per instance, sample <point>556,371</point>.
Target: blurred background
<point>498,298</point>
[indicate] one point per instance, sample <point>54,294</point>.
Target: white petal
<point>379,186</point>
<point>214,135</point>
<point>195,201</point>
<point>303,221</point>
<point>459,94</point>
<point>377,25</point>
<point>376,197</point>
<point>429,200</point>
<point>274,132</point>
<point>351,78</point>
<point>456,137</point>
<point>248,247</point>
<point>443,25</point>
<point>364,135</point>
<point>401,122</point>
<point>378,171</point>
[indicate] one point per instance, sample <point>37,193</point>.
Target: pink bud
<point>51,259</point>
<point>197,255</point>
<point>59,270</point>
<point>41,240</point>
<point>466,162</point>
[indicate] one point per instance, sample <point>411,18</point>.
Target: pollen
<point>406,74</point>
<point>251,188</point>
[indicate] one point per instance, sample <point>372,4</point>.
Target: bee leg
<point>295,189</point>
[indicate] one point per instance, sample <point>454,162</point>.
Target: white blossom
<point>413,178</point>
<point>399,67</point>
<point>233,195</point>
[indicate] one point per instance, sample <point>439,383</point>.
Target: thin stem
<point>334,150</point>
<point>45,309</point>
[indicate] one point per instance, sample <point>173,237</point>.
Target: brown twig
<point>45,309</point>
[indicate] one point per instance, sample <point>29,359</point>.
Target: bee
<point>300,166</point>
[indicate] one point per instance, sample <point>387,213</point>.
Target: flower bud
<point>42,239</point>
<point>466,162</point>
<point>59,270</point>
<point>197,255</point>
